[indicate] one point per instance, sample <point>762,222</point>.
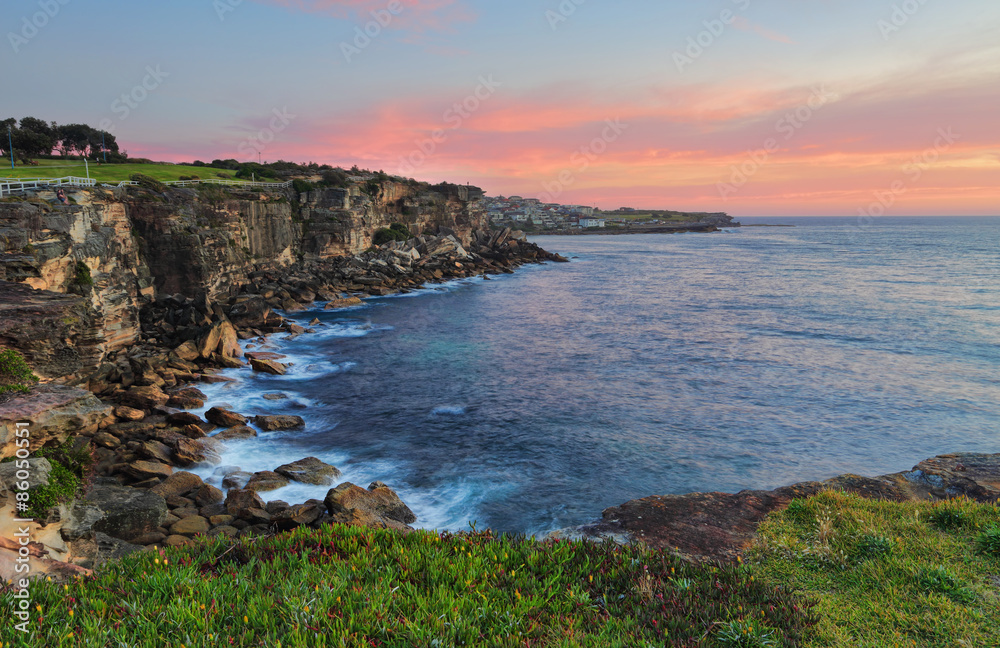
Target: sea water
<point>650,364</point>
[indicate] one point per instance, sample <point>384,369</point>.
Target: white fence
<point>9,186</point>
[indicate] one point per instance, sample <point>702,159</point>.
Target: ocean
<point>650,364</point>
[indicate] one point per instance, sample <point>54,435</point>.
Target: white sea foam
<point>448,410</point>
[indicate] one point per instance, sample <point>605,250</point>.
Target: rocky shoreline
<point>135,415</point>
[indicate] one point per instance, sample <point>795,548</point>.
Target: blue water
<point>655,364</point>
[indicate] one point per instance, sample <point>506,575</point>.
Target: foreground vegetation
<point>833,570</point>
<point>349,586</point>
<point>887,574</point>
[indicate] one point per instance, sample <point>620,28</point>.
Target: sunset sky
<point>754,107</point>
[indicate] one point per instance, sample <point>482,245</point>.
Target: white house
<point>591,222</point>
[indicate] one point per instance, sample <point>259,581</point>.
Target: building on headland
<point>592,222</point>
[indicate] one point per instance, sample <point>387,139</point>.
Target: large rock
<point>53,414</point>
<point>381,506</point>
<point>225,418</point>
<point>79,519</point>
<point>144,398</point>
<point>253,313</point>
<point>265,480</point>
<point>143,470</point>
<point>190,452</point>
<point>275,423</point>
<point>299,515</point>
<point>246,505</point>
<point>269,366</point>
<point>221,338</point>
<point>190,526</point>
<point>127,512</point>
<point>238,432</point>
<point>309,471</point>
<point>35,474</point>
<point>179,483</point>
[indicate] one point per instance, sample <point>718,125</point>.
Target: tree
<point>75,137</point>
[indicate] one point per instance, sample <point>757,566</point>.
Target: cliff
<point>95,263</point>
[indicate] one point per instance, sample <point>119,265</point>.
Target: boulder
<point>252,313</point>
<point>269,366</point>
<point>144,398</point>
<point>229,342</point>
<point>79,520</point>
<point>246,505</point>
<point>275,423</point>
<point>179,483</point>
<point>143,470</point>
<point>188,452</point>
<point>105,440</point>
<point>35,474</point>
<point>299,515</point>
<point>126,512</point>
<point>129,413</point>
<point>190,526</point>
<point>188,351</point>
<point>236,480</point>
<point>309,471</point>
<point>208,495</point>
<point>266,480</point>
<point>238,432</point>
<point>224,418</point>
<point>184,418</point>
<point>382,506</point>
<point>53,413</point>
<point>155,450</point>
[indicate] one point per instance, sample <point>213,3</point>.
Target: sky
<point>753,107</point>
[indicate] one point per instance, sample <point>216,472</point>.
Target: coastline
<point>158,440</point>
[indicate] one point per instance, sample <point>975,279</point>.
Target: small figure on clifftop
<point>61,197</point>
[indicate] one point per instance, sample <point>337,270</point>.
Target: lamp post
<point>11,142</point>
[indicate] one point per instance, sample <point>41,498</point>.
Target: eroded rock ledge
<point>719,526</point>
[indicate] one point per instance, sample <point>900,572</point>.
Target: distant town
<point>532,214</point>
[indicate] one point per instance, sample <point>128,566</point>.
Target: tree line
<point>33,138</point>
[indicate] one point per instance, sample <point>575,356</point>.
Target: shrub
<point>989,541</point>
<point>83,277</point>
<point>15,374</point>
<point>302,186</point>
<point>148,182</point>
<point>62,486</point>
<point>395,232</point>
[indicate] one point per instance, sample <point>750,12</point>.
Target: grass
<point>350,586</point>
<point>109,172</point>
<point>888,574</point>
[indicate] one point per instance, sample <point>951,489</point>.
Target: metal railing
<point>9,186</point>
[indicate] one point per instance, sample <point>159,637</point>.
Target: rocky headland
<point>720,526</point>
<point>128,300</point>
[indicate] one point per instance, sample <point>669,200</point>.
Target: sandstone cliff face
<point>85,249</point>
<point>341,222</point>
<point>115,251</point>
